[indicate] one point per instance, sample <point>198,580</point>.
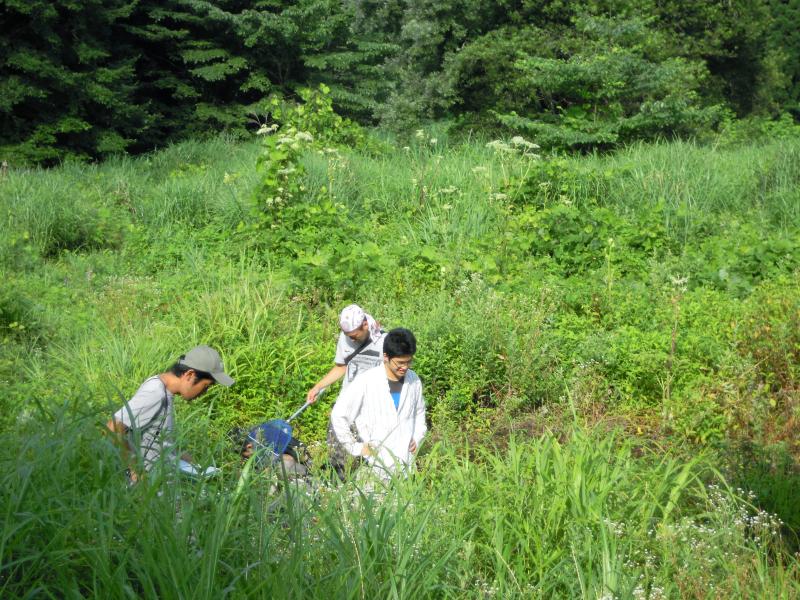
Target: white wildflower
<point>267,129</point>
<point>500,147</point>
<point>680,282</point>
<point>521,142</point>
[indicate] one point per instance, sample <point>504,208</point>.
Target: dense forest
<point>89,78</point>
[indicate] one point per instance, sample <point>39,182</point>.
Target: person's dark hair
<point>179,369</point>
<point>399,342</point>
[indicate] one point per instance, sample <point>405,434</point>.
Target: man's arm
<point>420,427</point>
<point>344,414</point>
<point>119,435</point>
<point>127,419</point>
<point>334,375</point>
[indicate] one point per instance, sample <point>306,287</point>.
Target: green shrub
<point>739,257</point>
<point>17,315</point>
<point>314,115</point>
<point>768,334</point>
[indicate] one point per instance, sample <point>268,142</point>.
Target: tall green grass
<point>692,180</point>
<point>451,191</point>
<point>82,207</point>
<point>113,251</point>
<point>580,518</point>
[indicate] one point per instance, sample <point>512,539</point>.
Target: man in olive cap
<point>144,425</point>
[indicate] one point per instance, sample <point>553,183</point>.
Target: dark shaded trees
<point>66,87</point>
<point>86,78</point>
<point>552,61</point>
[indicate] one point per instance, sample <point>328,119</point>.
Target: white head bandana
<point>352,317</point>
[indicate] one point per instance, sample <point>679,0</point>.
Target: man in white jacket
<point>385,407</point>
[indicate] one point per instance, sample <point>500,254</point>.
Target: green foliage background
<point>608,345</point>
<point>637,280</point>
<point>91,78</point>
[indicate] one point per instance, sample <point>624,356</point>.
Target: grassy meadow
<point>609,348</point>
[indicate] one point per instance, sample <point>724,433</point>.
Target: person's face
<point>192,387</point>
<point>360,334</point>
<point>398,365</point>
<point>248,450</point>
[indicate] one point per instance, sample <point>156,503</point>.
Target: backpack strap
<point>161,409</point>
<point>161,412</point>
<point>360,349</point>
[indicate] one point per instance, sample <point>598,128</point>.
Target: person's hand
<point>412,446</point>
<point>366,451</point>
<point>133,477</point>
<point>248,450</point>
<point>312,394</point>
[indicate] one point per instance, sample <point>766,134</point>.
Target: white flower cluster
<point>617,529</point>
<point>517,145</point>
<point>680,282</point>
<point>295,139</point>
<point>486,589</point>
<point>758,522</point>
<point>655,593</point>
<point>523,145</point>
<point>334,152</point>
<point>267,129</point>
<point>420,135</point>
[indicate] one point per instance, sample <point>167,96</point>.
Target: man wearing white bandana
<point>359,348</point>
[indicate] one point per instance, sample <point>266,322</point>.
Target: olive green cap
<point>205,358</point>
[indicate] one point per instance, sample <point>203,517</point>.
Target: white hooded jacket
<point>367,403</point>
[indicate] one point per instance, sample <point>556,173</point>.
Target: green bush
<point>742,257</point>
<point>768,334</point>
<point>314,114</point>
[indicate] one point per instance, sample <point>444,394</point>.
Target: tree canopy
<point>89,78</point>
